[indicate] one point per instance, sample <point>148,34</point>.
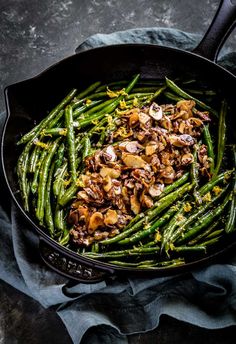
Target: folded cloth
<point>111,310</point>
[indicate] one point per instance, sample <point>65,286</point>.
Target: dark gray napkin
<point>112,310</point>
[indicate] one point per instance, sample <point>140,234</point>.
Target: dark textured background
<point>35,34</point>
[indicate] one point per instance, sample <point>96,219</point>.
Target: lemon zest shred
<point>122,104</point>
<point>187,207</point>
<point>217,190</point>
<point>63,132</point>
<point>158,236</point>
<point>207,197</point>
<point>135,101</point>
<point>41,144</point>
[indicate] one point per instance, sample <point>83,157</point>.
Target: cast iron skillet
<point>28,100</point>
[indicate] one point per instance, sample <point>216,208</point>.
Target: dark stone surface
<point>36,34</point>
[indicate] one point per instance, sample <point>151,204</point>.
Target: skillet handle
<point>65,265</point>
<point>220,28</point>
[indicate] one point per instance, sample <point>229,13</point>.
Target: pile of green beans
<point>186,221</point>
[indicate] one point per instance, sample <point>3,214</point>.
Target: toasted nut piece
<point>96,220</point>
<point>133,161</point>
<point>155,111</point>
<point>134,204</point>
<point>110,217</point>
<point>111,172</point>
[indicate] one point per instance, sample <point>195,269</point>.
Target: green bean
<point>87,147</point>
<point>124,253</point>
<point>195,215</point>
<point>70,142</point>
<point>152,229</point>
<point>65,238</point>
<point>22,167</point>
<point>176,89</point>
<point>32,134</point>
<point>149,89</point>
<point>127,264</point>
<point>88,90</point>
<point>58,181</point>
<point>190,249</point>
<point>48,209</point>
<point>34,184</point>
<point>55,120</point>
<point>206,220</point>
<point>210,150</point>
<point>200,92</point>
<point>170,227</point>
<point>221,137</point>
<point>203,235</point>
<point>172,96</point>
<point>59,156</point>
<point>34,159</point>
<point>223,177</point>
<point>88,108</point>
<point>157,93</point>
<point>68,195</point>
<point>194,175</point>
<point>230,224</point>
<point>43,180</point>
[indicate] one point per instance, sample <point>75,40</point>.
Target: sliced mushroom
<point>133,118</point>
<point>143,118</point>
<point>155,190</point>
<point>96,221</point>
<point>134,204</point>
<point>110,217</point>
<point>181,140</point>
<point>131,146</point>
<point>110,153</point>
<point>133,161</point>
<point>111,172</point>
<point>155,111</point>
<point>107,183</point>
<point>187,158</point>
<point>150,148</point>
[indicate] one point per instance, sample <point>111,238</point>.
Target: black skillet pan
<point>26,102</point>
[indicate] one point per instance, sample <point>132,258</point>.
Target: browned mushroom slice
<point>187,158</point>
<point>155,190</point>
<point>181,140</point>
<point>155,111</point>
<point>131,146</point>
<point>151,148</point>
<point>144,118</point>
<point>96,220</point>
<point>133,161</point>
<point>111,172</point>
<point>134,204</point>
<point>110,217</point>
